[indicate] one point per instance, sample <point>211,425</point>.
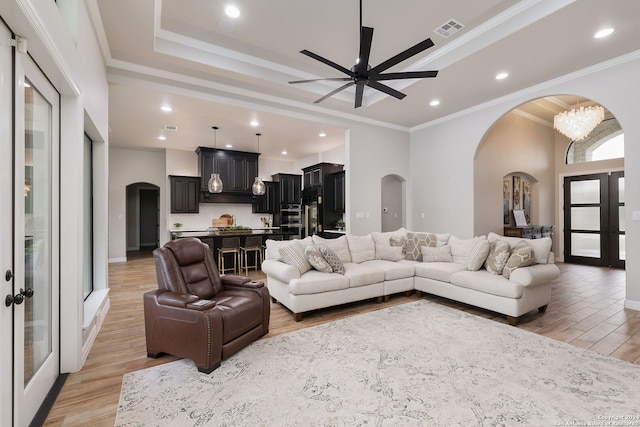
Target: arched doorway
<point>392,202</point>
<point>143,216</point>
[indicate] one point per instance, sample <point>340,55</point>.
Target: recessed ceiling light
<point>502,75</point>
<point>162,138</point>
<point>603,33</point>
<point>254,123</point>
<point>322,134</point>
<point>284,152</point>
<point>166,108</point>
<point>228,145</point>
<point>434,102</point>
<point>232,11</point>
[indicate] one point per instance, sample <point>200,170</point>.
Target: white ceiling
<point>215,71</point>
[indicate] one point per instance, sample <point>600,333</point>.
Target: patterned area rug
<point>416,364</point>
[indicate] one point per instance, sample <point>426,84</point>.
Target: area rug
<point>416,364</point>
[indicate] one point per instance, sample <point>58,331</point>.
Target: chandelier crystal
<point>579,122</point>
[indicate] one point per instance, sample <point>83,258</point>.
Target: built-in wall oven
<point>291,220</point>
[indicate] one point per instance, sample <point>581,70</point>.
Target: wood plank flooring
<point>586,310</point>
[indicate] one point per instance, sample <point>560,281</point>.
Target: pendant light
<point>215,183</point>
<point>258,186</point>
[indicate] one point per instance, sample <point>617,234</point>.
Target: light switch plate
<point>635,215</point>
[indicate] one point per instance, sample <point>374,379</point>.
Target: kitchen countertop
<point>212,232</point>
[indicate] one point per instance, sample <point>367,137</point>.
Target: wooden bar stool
<point>229,245</point>
<point>252,244</point>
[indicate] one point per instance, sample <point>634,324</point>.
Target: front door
<point>30,310</point>
<point>594,219</point>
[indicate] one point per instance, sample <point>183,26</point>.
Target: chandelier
<point>579,122</point>
<point>258,188</point>
<point>215,183</point>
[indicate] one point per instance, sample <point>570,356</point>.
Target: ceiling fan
<point>362,74</point>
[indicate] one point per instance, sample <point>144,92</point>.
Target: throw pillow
<point>362,248</point>
<point>521,256</point>
<point>460,248</point>
<point>273,248</point>
<point>340,246</point>
<point>316,259</point>
<point>478,255</point>
<point>384,241</point>
<point>414,243</point>
<point>332,259</point>
<point>541,247</point>
<point>498,256</point>
<point>293,254</point>
<point>437,254</point>
<point>389,253</point>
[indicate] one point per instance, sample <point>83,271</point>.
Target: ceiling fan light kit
<point>362,74</point>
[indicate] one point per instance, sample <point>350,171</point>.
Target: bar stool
<point>252,244</point>
<point>229,245</point>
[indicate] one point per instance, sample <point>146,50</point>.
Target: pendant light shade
<point>258,188</point>
<point>215,183</point>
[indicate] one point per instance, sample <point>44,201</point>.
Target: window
<point>87,217</point>
<point>605,142</point>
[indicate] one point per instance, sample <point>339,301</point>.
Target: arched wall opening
<point>523,142</point>
<point>392,200</point>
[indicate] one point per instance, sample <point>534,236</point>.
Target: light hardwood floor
<point>586,310</point>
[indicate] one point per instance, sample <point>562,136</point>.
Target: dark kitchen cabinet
<point>316,174</point>
<point>339,199</point>
<point>237,170</point>
<point>269,202</point>
<point>290,187</point>
<point>185,192</point>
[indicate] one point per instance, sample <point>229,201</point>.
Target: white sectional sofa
<point>381,264</point>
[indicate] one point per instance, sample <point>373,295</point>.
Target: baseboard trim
<point>633,305</point>
<point>117,260</point>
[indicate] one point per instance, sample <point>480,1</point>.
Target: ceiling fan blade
<point>366,37</point>
<point>333,79</point>
<point>359,95</point>
<point>402,56</point>
<point>386,89</point>
<point>405,75</point>
<point>343,87</point>
<point>328,62</point>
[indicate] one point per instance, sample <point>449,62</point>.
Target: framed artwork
<point>506,199</point>
<point>517,192</point>
<point>526,200</point>
<point>518,215</point>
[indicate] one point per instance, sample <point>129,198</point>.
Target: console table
<point>530,231</point>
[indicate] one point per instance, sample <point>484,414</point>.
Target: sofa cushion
<point>316,259</point>
<point>362,275</point>
<point>441,271</point>
<point>361,248</point>
<point>389,253</point>
<point>521,256</point>
<point>389,245</point>
<point>460,248</point>
<point>437,254</point>
<point>340,246</point>
<point>315,282</point>
<point>478,255</point>
<point>392,270</point>
<point>293,254</point>
<point>488,283</point>
<point>541,247</point>
<point>414,243</point>
<point>273,248</point>
<point>332,258</point>
<point>498,256</point>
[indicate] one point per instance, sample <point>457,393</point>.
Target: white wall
<point>442,154</point>
<point>371,153</point>
<point>129,167</point>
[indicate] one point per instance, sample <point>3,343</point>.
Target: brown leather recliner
<point>198,314</point>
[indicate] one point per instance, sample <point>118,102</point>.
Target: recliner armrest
<point>234,280</point>
<point>251,285</point>
<point>174,299</point>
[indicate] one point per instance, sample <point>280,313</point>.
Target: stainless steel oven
<point>291,220</point>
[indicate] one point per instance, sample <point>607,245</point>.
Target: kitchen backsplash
<point>209,211</point>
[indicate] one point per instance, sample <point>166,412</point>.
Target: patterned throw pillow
<point>521,256</point>
<point>478,255</point>
<point>498,256</point>
<point>332,259</point>
<point>293,254</point>
<point>316,259</point>
<point>439,254</point>
<point>414,243</point>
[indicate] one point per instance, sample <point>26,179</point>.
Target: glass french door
<point>30,313</point>
<point>594,219</point>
